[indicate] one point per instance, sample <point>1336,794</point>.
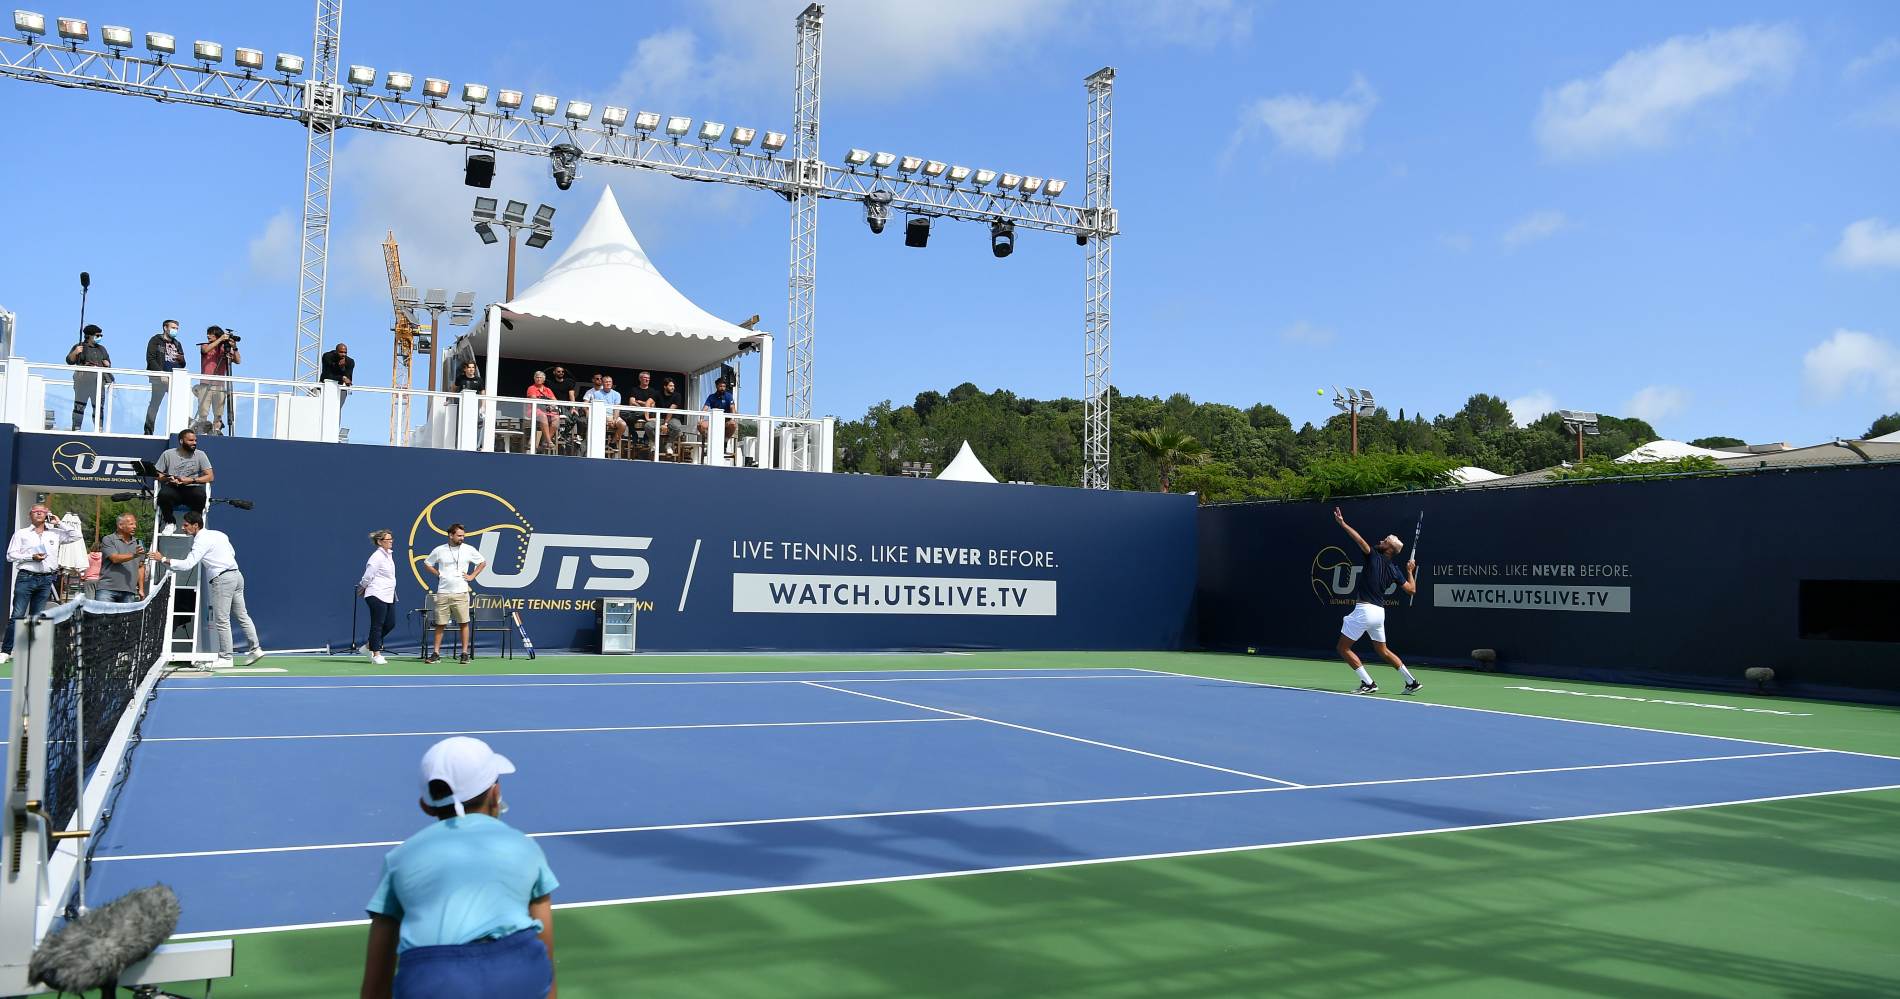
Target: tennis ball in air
<point>1250,650</point>
<point>1319,391</point>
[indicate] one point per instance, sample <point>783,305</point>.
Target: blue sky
<point>1685,212</point>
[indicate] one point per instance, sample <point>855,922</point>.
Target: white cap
<point>466,765</point>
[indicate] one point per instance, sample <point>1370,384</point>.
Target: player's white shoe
<point>1411,687</point>
<point>5,657</point>
<point>255,655</point>
<point>1367,688</point>
<point>376,658</point>
<point>221,662</point>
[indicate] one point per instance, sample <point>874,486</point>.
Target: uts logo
<point>491,521</point>
<point>77,462</point>
<point>1335,576</point>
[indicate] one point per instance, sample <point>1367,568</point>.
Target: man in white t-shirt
<point>455,564</point>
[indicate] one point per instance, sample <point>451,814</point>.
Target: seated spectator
<point>642,395</point>
<point>616,427</point>
<point>544,416</point>
<point>674,401</point>
<point>465,906</point>
<point>182,474</point>
<point>565,388</point>
<point>720,401</point>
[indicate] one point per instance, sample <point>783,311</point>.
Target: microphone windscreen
<point>85,279</point>
<point>95,949</point>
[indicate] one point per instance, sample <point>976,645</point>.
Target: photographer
<point>182,474</point>
<point>216,356</point>
<point>89,386</point>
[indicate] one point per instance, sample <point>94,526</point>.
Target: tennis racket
<point>526,642</point>
<point>1412,598</point>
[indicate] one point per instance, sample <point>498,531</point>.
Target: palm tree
<point>1169,449</point>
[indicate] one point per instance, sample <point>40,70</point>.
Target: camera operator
<point>88,386</point>
<point>182,474</point>
<point>217,354</point>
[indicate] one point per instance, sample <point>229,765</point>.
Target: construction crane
<point>401,370</point>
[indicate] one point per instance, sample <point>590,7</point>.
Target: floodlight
<point>1002,237</point>
<point>646,121</point>
<point>877,210</point>
<point>909,164</point>
<point>742,136</point>
<point>1032,184</point>
<point>983,177</point>
<point>917,231</point>
<point>437,298</point>
<point>156,42</point>
<point>28,23</point>
<point>959,174</point>
<point>678,125</point>
<point>1054,188</point>
<point>73,29</point>
<point>564,160</point>
<point>711,131</point>
<point>485,208</point>
<point>116,37</point>
<point>544,216</point>
<point>362,76</point>
<point>289,65</point>
<point>406,296</point>
<point>486,232</point>
<point>475,93</point>
<point>544,105</point>
<point>397,82</point>
<point>462,308</point>
<point>935,168</point>
<point>857,157</point>
<point>883,161</point>
<point>579,111</point>
<point>517,212</point>
<point>539,238</point>
<point>1009,181</point>
<point>773,142</point>
<point>209,52</point>
<point>613,117</point>
<point>508,100</point>
<point>435,88</point>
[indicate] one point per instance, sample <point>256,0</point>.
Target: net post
<point>23,881</point>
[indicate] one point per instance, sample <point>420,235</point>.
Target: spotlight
<point>539,238</point>
<point>362,76</point>
<point>544,105</point>
<point>210,52</point>
<point>857,157</point>
<point>435,89</point>
<point>516,212</point>
<point>544,216</point>
<point>478,170</point>
<point>579,111</point>
<point>565,158</point>
<point>486,232</point>
<point>485,208</point>
<point>646,121</point>
<point>909,164</point>
<point>983,178</point>
<point>73,29</point>
<point>474,94</point>
<point>160,44</point>
<point>711,131</point>
<point>773,142</point>
<point>116,37</point>
<point>877,210</point>
<point>917,231</point>
<point>248,59</point>
<point>508,100</point>
<point>1054,188</point>
<point>934,168</point>
<point>883,161</point>
<point>678,125</point>
<point>1002,237</point>
<point>399,83</point>
<point>613,117</point>
<point>28,23</point>
<point>742,136</point>
<point>1009,181</point>
<point>959,174</point>
<point>289,65</point>
<point>1031,185</point>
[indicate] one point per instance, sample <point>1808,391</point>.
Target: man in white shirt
<point>212,550</point>
<point>34,554</point>
<point>454,564</point>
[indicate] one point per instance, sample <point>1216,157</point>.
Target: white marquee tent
<point>966,467</point>
<point>1667,450</point>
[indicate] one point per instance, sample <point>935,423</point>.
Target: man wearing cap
<point>464,907</point>
<point>88,385</point>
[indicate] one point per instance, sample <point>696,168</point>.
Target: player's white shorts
<point>1366,620</point>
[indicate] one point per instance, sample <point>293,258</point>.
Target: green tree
<point>1168,448</point>
<point>1719,442</point>
<point>1883,426</point>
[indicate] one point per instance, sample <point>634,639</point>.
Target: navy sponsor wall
<point>1683,582</point>
<point>719,558</point>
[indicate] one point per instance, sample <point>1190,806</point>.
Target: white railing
<point>119,401</point>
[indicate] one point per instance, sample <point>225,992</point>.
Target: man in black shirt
<point>340,367</point>
<point>565,389</point>
<point>89,386</point>
<point>1377,577</point>
<point>163,354</point>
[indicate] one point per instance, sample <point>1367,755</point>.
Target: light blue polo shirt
<point>460,880</point>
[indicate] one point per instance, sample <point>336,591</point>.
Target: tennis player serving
<point>1367,619</point>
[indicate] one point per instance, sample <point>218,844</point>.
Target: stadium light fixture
<point>917,231</point>
<point>436,298</point>
<point>983,178</point>
<point>487,233</point>
<point>362,76</point>
<point>935,168</point>
<point>773,142</point>
<point>544,216</point>
<point>1582,424</point>
<point>407,297</point>
<point>485,208</point>
<point>73,29</point>
<point>398,82</point>
<point>508,100</point>
<point>1009,181</point>
<point>678,125</point>
<point>516,212</point>
<point>116,36</point>
<point>28,23</point>
<point>1054,187</point>
<point>579,111</point>
<point>857,157</point>
<point>211,52</point>
<point>1002,238</point>
<point>742,136</point>
<point>883,161</point>
<point>1032,185</point>
<point>1353,402</point>
<point>248,60</point>
<point>435,88</point>
<point>289,65</point>
<point>959,174</point>
<point>160,44</point>
<point>462,308</point>
<point>646,121</point>
<point>544,105</point>
<point>613,117</point>
<point>539,238</point>
<point>711,131</point>
<point>474,94</point>
<point>909,164</point>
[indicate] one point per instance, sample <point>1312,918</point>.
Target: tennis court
<point>268,802</point>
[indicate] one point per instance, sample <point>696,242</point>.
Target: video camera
<point>232,336</point>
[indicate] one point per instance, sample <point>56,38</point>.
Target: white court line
<point>1059,735</point>
<point>1518,714</point>
<point>1091,861</point>
<point>690,566</point>
<point>538,731</point>
<point>639,683</point>
<point>1010,806</point>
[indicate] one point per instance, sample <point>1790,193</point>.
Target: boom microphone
<point>85,280</point>
<point>92,951</point>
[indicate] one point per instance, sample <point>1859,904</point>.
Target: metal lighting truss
<point>325,103</point>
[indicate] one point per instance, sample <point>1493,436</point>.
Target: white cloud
<point>1525,409</point>
<point>1323,129</point>
<point>1852,362</point>
<point>1187,22</point>
<point>1887,51</point>
<point>1306,334</point>
<point>1656,402</point>
<point>1533,227</point>
<point>273,253</point>
<point>1459,241</point>
<point>1643,96</point>
<point>1871,242</point>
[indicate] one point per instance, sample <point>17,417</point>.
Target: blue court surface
<point>270,801</point>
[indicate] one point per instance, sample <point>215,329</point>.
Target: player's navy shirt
<point>1380,572</point>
